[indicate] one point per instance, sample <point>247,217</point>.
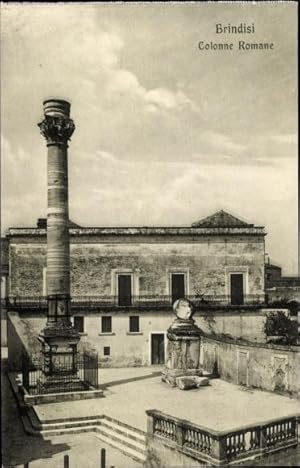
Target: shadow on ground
<point>114,383</point>
<point>18,447</point>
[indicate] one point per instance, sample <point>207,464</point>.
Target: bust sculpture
<point>183,309</point>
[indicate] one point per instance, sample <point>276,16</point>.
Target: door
<point>236,289</point>
<point>157,348</point>
<point>177,286</point>
<point>124,290</point>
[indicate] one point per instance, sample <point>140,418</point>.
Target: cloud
<point>163,135</point>
<point>162,97</point>
<point>21,206</point>
<point>107,156</point>
<point>291,139</point>
<point>223,142</point>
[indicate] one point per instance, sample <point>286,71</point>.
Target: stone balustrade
<point>218,447</point>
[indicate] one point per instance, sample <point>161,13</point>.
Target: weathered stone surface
<point>191,381</point>
<point>94,257</point>
<point>270,367</point>
<point>201,381</point>
<point>186,383</point>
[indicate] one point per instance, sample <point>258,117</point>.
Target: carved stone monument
<point>183,354</point>
<point>59,339</point>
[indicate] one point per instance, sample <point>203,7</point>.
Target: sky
<point>166,134</point>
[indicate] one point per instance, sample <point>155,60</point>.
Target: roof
<point>221,219</point>
<point>220,223</point>
<point>145,231</point>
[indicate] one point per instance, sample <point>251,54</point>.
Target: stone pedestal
<point>183,350</point>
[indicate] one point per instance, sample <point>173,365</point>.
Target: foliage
<point>278,324</point>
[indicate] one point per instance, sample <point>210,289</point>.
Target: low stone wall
<point>160,454</point>
<point>238,323</point>
<point>171,441</point>
<point>266,366</point>
<point>22,336</point>
<point>134,349</point>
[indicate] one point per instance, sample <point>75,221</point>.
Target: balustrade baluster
<point>195,444</point>
<point>201,441</point>
<point>204,443</point>
<point>236,443</point>
<point>174,430</point>
<point>198,440</point>
<point>192,438</point>
<point>207,443</point>
<point>242,442</point>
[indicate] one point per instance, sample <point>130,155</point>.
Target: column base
<point>60,384</point>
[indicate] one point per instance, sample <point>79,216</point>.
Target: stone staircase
<point>129,440</point>
<point>125,438</point>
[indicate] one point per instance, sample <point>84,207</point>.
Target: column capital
<point>57,129</point>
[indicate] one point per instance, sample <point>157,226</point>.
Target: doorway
<point>236,289</point>
<point>124,290</point>
<point>157,348</point>
<point>177,286</point>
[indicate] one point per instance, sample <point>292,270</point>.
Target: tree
<point>279,325</point>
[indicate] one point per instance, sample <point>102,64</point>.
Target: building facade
<point>125,280</point>
<point>281,288</point>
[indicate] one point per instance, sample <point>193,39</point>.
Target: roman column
<point>58,335</point>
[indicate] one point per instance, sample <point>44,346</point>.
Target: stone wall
<point>26,269</point>
<point>246,324</point>
<point>284,293</point>
<point>269,367</point>
<point>134,349</point>
<point>22,333</point>
<point>206,261</point>
<point>160,454</point>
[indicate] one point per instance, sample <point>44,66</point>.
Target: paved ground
<point>129,392</point>
<point>19,448</point>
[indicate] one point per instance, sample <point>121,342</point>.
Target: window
<point>236,288</point>
<point>134,324</point>
<point>124,290</point>
<point>79,323</point>
<point>177,286</point>
<point>106,350</point>
<point>105,324</point>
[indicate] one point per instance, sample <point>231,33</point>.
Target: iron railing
<point>65,378</point>
<point>141,301</point>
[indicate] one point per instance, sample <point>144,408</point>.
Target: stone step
<point>131,433</point>
<point>121,438</point>
<point>67,424</point>
<point>72,430</point>
<point>124,425</point>
<point>135,455</point>
<point>70,419</point>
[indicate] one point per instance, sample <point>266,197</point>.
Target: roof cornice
<point>145,231</point>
